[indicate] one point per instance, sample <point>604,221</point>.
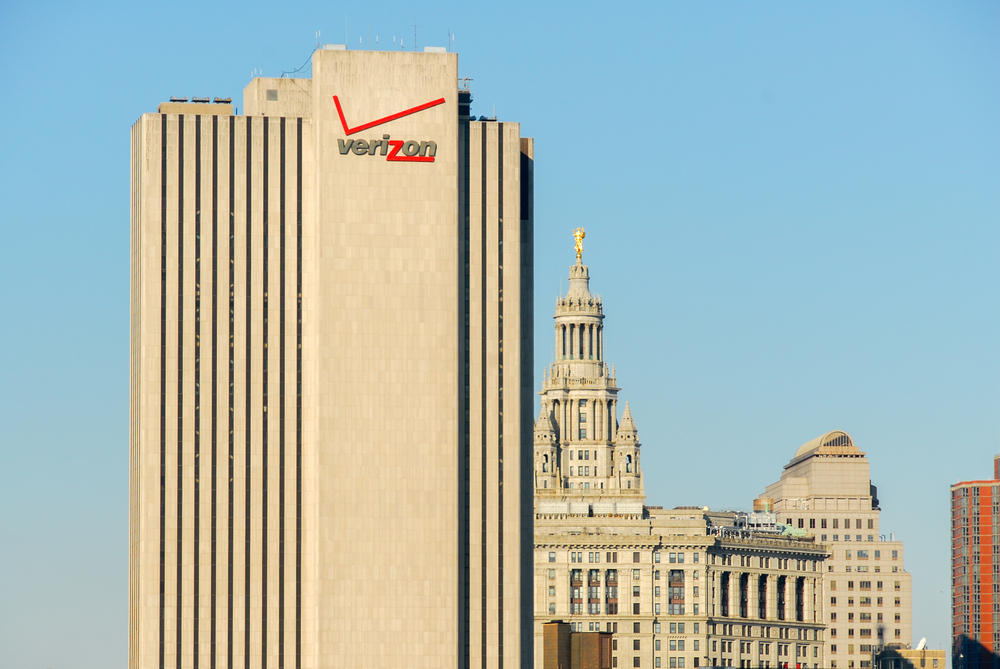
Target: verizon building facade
<point>330,371</point>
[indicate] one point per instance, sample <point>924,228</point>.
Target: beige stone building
<point>677,588</point>
<point>825,491</point>
<point>911,658</point>
<point>331,359</point>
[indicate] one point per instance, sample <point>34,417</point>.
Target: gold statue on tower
<point>578,235</point>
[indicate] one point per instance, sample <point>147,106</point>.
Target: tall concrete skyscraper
<point>975,572</point>
<point>331,360</point>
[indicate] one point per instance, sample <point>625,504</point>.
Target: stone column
<point>564,422</point>
<point>598,420</point>
<point>772,597</point>
<point>808,610</point>
<point>816,592</point>
<point>592,419</point>
<point>712,583</point>
<point>734,594</point>
<point>790,599</point>
<point>767,601</point>
<point>574,411</point>
<point>752,595</point>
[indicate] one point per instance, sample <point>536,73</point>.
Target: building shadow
<point>968,653</point>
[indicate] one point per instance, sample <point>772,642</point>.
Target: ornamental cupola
<point>546,452</point>
<point>627,466</point>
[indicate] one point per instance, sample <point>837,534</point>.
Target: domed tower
<point>546,454</point>
<point>580,401</point>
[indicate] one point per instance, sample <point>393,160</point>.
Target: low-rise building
<point>676,589</point>
<point>899,657</point>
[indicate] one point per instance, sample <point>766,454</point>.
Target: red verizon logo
<point>412,151</point>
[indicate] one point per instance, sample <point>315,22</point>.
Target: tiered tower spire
<point>583,458</point>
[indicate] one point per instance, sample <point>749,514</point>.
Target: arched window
<point>545,463</point>
<point>545,483</point>
<point>628,465</point>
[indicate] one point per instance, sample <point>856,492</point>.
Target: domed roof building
<point>825,490</point>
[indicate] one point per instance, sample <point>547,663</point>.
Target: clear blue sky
<point>792,213</point>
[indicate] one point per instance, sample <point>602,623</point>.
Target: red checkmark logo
<point>392,117</point>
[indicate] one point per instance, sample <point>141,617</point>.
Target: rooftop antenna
<point>346,41</point>
<point>318,42</point>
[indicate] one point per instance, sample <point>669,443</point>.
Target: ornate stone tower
<point>585,462</point>
<point>626,455</point>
